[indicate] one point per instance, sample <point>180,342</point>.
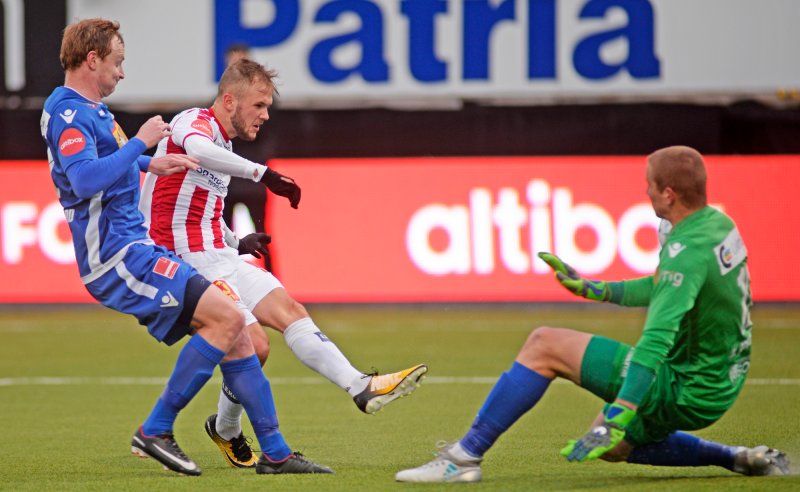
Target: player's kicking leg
<point>272,306</point>
<point>382,389</point>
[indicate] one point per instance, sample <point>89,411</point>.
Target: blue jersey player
<point>96,170</point>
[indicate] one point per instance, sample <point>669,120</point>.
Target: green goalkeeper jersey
<point>698,318</point>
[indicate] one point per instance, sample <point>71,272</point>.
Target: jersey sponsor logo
<point>730,252</point>
<point>68,115</point>
<point>674,249</point>
<point>168,300</point>
<point>214,182</point>
<point>674,279</point>
<point>166,268</point>
<point>227,290</point>
<point>71,142</point>
<point>204,127</point>
<point>119,135</point>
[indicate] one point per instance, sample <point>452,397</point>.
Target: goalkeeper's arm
<point>633,292</point>
<point>590,289</point>
<point>616,417</point>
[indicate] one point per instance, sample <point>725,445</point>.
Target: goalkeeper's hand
<point>602,438</point>
<point>254,244</point>
<point>569,278</point>
<point>283,186</point>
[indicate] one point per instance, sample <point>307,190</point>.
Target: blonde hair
<point>245,72</point>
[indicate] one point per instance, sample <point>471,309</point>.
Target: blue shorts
<point>154,285</point>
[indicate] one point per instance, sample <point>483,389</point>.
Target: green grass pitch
<point>75,383</point>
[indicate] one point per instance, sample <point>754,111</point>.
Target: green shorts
<point>603,371</point>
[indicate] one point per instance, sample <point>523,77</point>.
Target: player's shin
<point>193,368</point>
<point>245,378</point>
<point>229,414</point>
<point>516,392</point>
<point>682,449</point>
<point>310,345</point>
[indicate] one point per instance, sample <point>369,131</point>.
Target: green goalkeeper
<point>683,374</point>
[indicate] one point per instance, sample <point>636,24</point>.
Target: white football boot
<point>760,461</point>
<point>451,465</point>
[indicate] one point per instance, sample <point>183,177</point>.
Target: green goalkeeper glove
<point>602,438</point>
<point>569,278</point>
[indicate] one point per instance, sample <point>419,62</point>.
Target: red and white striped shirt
<point>184,210</point>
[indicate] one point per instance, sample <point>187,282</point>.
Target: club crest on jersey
<point>68,115</point>
<point>71,142</point>
<point>204,127</point>
<point>226,289</point>
<point>675,249</point>
<point>166,268</point>
<point>119,135</point>
<point>168,300</point>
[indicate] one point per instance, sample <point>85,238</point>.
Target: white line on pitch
<point>157,381</point>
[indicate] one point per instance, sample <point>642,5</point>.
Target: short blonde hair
<point>245,72</point>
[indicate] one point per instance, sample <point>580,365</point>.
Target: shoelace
<point>371,374</point>
<point>442,446</point>
<point>169,438</point>
<point>241,447</point>
<point>300,457</point>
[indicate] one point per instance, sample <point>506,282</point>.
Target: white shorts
<point>249,283</point>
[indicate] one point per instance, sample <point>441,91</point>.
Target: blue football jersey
<point>78,130</point>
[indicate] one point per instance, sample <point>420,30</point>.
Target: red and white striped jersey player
<point>184,213</point>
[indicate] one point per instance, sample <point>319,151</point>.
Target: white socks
<point>461,455</point>
<point>229,415</point>
<point>313,349</point>
<point>316,351</point>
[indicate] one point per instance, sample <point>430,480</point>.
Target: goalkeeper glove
<point>253,244</point>
<point>569,278</point>
<point>602,438</point>
<point>283,186</point>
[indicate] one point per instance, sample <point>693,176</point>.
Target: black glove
<point>283,186</point>
<point>255,243</point>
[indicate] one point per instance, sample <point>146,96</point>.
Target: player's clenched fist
<point>153,131</point>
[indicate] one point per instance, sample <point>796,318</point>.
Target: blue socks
<point>516,392</point>
<point>246,380</point>
<point>682,449</point>
<point>193,368</point>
